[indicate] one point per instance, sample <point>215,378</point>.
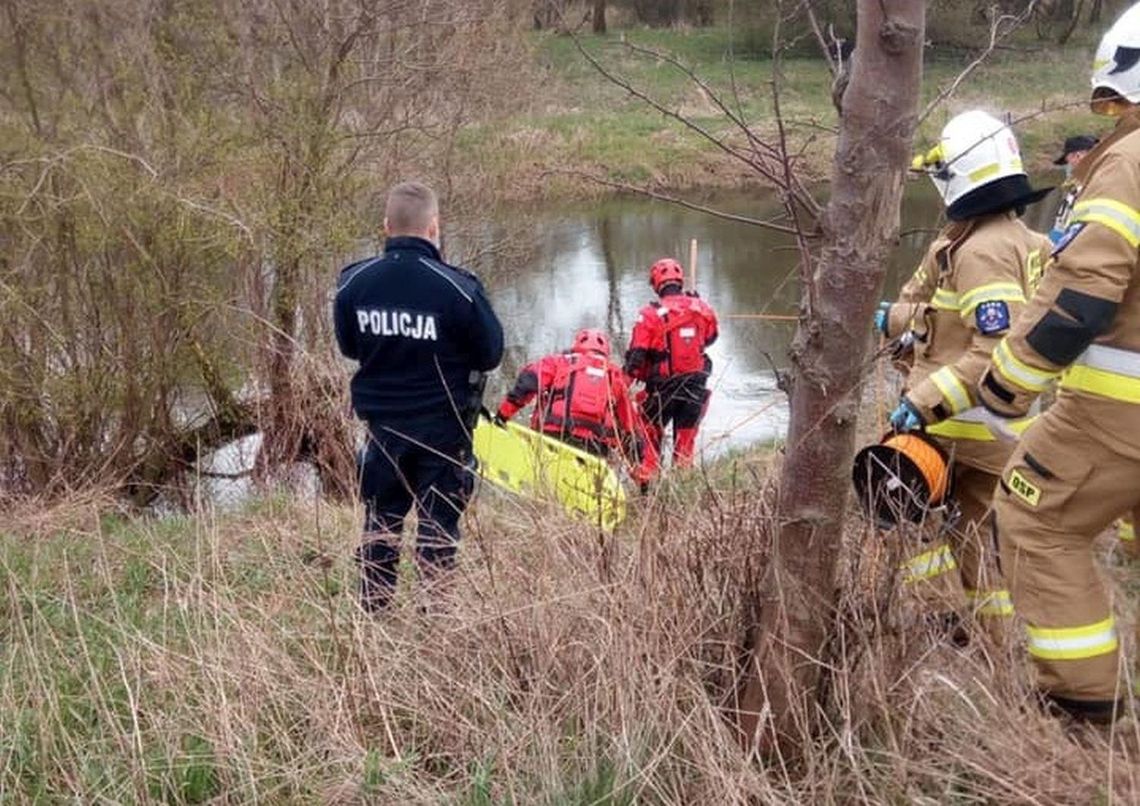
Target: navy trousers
<point>403,467</point>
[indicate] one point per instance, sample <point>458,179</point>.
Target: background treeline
<point>178,183</point>
<point>949,22</point>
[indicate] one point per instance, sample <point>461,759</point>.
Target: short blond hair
<point>410,209</point>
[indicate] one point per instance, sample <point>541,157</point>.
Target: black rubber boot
<point>378,572</point>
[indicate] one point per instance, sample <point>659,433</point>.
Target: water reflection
<point>589,268</point>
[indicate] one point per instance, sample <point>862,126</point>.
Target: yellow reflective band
<point>978,174</point>
<point>929,564</point>
<point>1117,216</point>
<point>990,603</point>
<point>952,389</point>
<point>1103,383</point>
<point>1023,375</point>
<point>945,300</point>
<point>1034,270</point>
<point>1125,530</point>
<point>1073,643</point>
<point>992,292</point>
<point>959,428</point>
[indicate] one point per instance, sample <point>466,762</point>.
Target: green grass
<point>581,123</point>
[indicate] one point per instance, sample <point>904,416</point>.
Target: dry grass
<point>220,658</point>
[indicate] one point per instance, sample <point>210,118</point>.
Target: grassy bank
<point>582,124</point>
<point>219,658</point>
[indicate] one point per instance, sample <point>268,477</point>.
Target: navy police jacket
<point>419,328</point>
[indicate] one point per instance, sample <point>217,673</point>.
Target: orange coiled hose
<point>928,460</point>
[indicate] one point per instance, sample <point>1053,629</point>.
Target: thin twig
<point>995,37</point>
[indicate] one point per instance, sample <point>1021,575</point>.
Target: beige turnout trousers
<point>1061,488</point>
<point>965,562</point>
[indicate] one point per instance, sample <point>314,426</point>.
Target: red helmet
<point>589,340</point>
<point>665,271</point>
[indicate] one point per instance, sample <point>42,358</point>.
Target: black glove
<point>499,420</point>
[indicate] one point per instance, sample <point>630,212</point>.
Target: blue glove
<point>906,417</point>
<point>883,317</point>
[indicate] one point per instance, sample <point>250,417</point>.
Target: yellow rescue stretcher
<point>531,464</point>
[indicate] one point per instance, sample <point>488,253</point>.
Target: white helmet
<point>977,151</point>
<point>1116,67</point>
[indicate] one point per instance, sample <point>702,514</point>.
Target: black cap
<point>1078,142</point>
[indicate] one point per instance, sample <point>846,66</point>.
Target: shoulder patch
<point>1067,237</point>
<point>992,317</point>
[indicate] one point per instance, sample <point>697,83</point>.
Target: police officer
<point>583,398</point>
<point>1078,465</point>
<point>1073,151</point>
<point>423,333</point>
<point>969,289</point>
<point>667,352</point>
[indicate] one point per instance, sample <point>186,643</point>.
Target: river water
<point>591,268</point>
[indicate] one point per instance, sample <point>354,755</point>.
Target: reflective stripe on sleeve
<point>1117,216</point>
<point>992,292</point>
<point>1017,371</point>
<point>971,425</point>
<point>1106,371</point>
<point>953,390</point>
<point>1103,383</point>
<point>1111,359</point>
<point>1073,643</point>
<point>929,564</point>
<point>945,300</point>
<point>990,603</point>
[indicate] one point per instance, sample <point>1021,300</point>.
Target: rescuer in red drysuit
<point>583,398</point>
<point>667,352</point>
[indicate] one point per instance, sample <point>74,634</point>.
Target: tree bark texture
<point>780,695</point>
<point>599,16</point>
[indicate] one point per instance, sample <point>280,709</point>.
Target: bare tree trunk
<point>860,226</point>
<point>599,16</point>
<point>1073,21</point>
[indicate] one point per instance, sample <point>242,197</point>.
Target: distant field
<point>581,123</point>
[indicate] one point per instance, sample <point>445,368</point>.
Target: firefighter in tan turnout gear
<point>971,285</point>
<point>1078,466</point>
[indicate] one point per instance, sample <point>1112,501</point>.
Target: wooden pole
<point>693,264</point>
